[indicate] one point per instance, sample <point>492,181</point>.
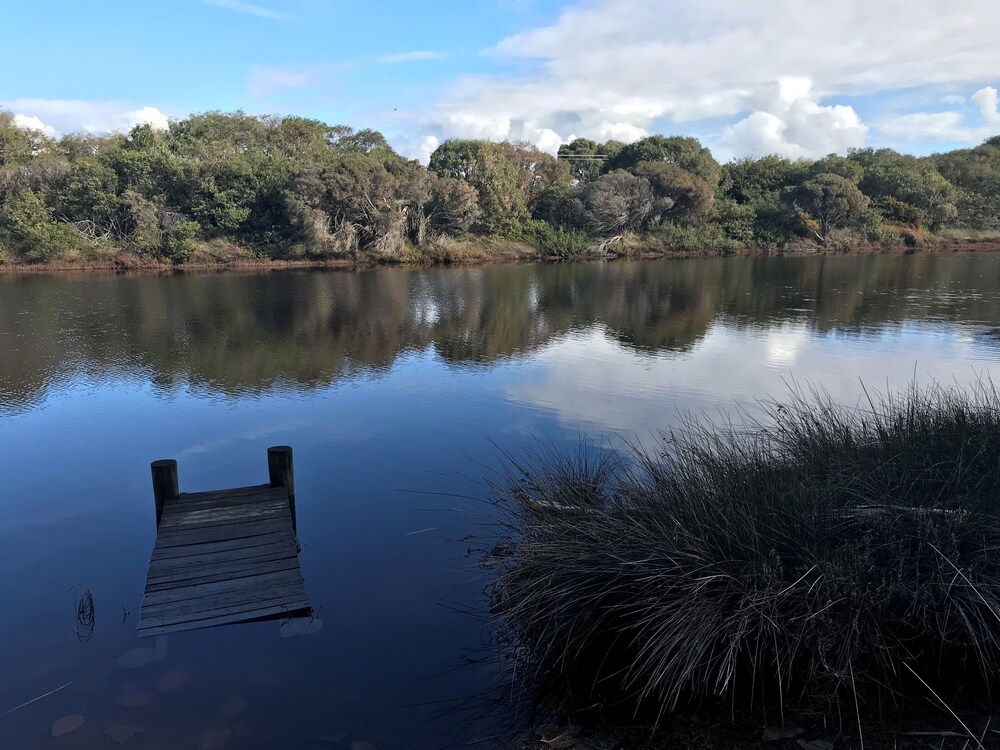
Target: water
<point>390,385</point>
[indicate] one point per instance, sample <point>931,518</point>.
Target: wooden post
<point>282,474</point>
<point>165,485</point>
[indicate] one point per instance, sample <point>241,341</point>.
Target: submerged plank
<point>213,573</point>
<point>276,610</point>
<point>249,584</point>
<point>166,614</point>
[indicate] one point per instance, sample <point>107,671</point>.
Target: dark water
<point>388,384</point>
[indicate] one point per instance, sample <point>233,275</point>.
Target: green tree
<point>689,196</point>
<point>582,157</point>
<point>832,201</point>
<point>17,145</point>
<point>888,174</point>
<point>684,152</point>
<point>484,165</point>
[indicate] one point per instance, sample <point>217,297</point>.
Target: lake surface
<point>390,385</point>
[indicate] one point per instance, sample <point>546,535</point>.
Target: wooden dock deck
<point>224,556</point>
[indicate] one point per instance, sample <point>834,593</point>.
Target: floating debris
<point>122,733</point>
<point>816,745</point>
<point>67,724</point>
<point>44,695</point>
<point>557,737</point>
<point>84,629</point>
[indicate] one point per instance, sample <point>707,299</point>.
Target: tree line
<point>290,187</point>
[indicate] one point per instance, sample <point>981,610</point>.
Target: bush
<point>555,240</point>
<point>806,555</point>
<point>30,227</point>
<point>179,241</point>
<point>695,238</point>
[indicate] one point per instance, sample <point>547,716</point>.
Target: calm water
<point>388,384</point>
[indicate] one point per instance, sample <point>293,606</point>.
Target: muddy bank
<point>473,254</point>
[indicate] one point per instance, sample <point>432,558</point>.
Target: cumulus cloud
<point>26,122</point>
<point>72,115</point>
<point>794,125</point>
<point>986,100</point>
<point>620,68</point>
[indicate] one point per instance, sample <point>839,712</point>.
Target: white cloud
<point>631,66</point>
<point>986,99</point>
<point>794,125</point>
<point>26,122</point>
<point>417,147</point>
<point>249,9</point>
<point>72,115</point>
<point>950,126</point>
<point>953,99</point>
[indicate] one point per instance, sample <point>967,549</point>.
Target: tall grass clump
<point>803,555</point>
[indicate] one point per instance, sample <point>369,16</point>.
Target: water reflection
<point>245,335</point>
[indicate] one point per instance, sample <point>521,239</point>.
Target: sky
<point>799,79</point>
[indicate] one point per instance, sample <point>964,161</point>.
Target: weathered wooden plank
<point>271,514</point>
<point>177,567</point>
<point>234,492</point>
<point>231,497</point>
<point>203,590</point>
<point>148,630</point>
<point>246,599</point>
<point>218,516</point>
<point>234,531</point>
<point>169,553</point>
<point>212,573</point>
<point>273,550</point>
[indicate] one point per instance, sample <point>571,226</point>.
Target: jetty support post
<point>282,474</point>
<point>165,485</point>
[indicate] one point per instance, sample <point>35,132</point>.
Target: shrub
<point>805,555</point>
<point>179,241</point>
<point>555,240</point>
<point>695,238</point>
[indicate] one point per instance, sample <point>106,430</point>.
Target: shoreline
<point>471,255</point>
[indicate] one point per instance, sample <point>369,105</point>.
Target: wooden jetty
<point>224,556</point>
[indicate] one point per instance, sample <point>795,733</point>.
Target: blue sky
<point>748,78</point>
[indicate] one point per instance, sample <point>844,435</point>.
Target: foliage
<point>689,196</point>
<point>293,186</point>
<point>686,153</point>
<point>557,241</point>
<point>809,555</point>
<point>832,201</point>
<point>620,202</point>
<point>484,165</point>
